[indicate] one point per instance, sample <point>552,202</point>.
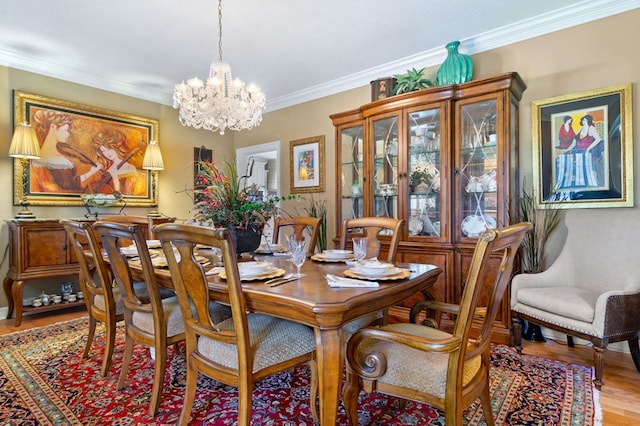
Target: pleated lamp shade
<point>24,143</point>
<point>153,157</point>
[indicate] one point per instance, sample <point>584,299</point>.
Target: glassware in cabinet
<point>424,173</point>
<point>384,132</point>
<point>477,182</point>
<point>352,172</point>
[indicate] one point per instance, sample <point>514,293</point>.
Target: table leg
<point>8,283</point>
<point>330,353</point>
<point>16,291</point>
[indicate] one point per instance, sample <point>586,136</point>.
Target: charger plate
<point>274,273</point>
<point>404,273</point>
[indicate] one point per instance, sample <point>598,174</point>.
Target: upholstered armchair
<point>592,290</point>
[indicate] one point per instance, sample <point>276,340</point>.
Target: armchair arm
<point>374,364</point>
<point>616,314</point>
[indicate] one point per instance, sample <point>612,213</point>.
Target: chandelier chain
<point>220,31</point>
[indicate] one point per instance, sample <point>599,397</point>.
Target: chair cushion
<point>172,314</point>
<point>569,302</point>
<point>358,323</point>
<point>99,301</point>
<point>219,312</point>
<point>415,369</point>
<point>273,340</point>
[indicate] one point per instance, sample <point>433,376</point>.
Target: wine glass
<point>360,249</point>
<point>298,251</point>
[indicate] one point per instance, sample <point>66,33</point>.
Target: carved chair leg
<point>516,333</point>
<point>598,360</point>
<point>570,341</point>
<point>635,351</point>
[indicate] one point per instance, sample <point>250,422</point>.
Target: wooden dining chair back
<point>371,228</point>
<point>149,319</point>
<point>101,299</point>
<point>238,351</point>
<point>446,370</point>
<point>299,225</point>
<point>145,222</point>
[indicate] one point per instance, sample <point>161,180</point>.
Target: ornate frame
<point>590,168</point>
<point>307,165</point>
<point>77,142</point>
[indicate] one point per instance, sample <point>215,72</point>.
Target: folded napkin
<point>215,270</point>
<point>336,281</point>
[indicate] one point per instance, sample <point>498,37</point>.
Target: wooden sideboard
<point>38,248</point>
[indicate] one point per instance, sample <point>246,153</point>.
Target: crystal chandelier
<point>221,103</point>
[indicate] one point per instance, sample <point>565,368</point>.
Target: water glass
<point>360,249</point>
<point>298,251</point>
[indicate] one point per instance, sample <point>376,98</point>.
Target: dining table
<point>310,300</point>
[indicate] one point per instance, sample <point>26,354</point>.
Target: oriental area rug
<point>44,380</point>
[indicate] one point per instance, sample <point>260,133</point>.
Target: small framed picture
<point>583,149</point>
<point>307,165</point>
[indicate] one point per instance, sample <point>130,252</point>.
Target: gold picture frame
<point>583,149</point>
<point>307,165</point>
<point>85,150</point>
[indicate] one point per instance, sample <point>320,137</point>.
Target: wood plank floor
<point>619,398</point>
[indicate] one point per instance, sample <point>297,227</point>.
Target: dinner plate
<point>274,273</point>
<point>375,273</point>
<point>322,258</point>
<point>335,255</point>
<point>270,249</point>
<point>401,274</point>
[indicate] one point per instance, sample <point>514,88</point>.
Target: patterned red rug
<point>44,380</point>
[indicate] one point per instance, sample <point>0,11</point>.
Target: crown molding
<point>526,29</point>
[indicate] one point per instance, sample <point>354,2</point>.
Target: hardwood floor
<point>619,398</point>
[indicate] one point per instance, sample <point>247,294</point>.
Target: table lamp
<point>153,162</point>
<point>24,147</point>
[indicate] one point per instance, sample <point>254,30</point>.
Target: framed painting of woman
<point>583,149</point>
<point>84,150</point>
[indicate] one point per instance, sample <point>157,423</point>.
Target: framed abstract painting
<point>583,149</point>
<point>307,165</point>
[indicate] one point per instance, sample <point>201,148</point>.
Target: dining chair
<point>241,350</point>
<point>371,228</point>
<point>149,319</point>
<point>428,365</point>
<point>101,298</point>
<point>146,222</point>
<point>299,225</point>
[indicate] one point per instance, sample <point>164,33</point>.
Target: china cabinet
<point>444,159</point>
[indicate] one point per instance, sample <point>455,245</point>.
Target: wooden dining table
<point>311,301</point>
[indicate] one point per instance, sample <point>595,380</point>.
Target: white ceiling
<point>295,50</point>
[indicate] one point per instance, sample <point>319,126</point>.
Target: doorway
<point>259,163</point>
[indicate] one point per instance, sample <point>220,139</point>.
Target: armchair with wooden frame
<point>421,363</point>
<point>299,225</point>
<point>145,222</point>
<point>592,289</point>
<point>241,350</point>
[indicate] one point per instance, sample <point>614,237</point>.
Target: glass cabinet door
<point>477,182</point>
<point>351,173</point>
<point>384,134</point>
<point>423,172</point>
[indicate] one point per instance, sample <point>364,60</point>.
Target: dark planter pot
<point>246,239</point>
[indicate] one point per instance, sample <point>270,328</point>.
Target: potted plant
<point>222,203</point>
<point>412,80</point>
<point>544,221</point>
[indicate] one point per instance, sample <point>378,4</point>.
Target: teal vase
<point>457,67</point>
